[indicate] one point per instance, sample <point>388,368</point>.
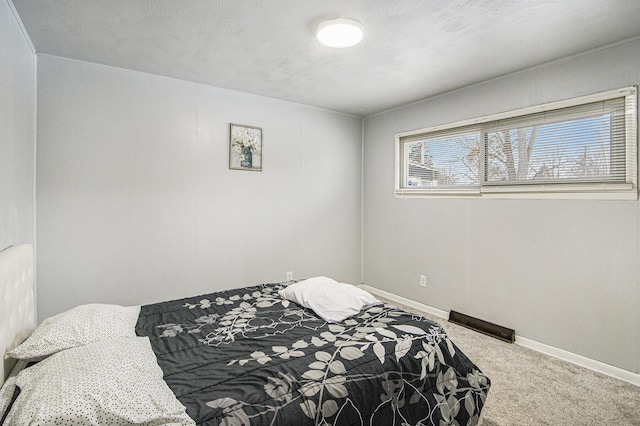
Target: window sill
<point>545,192</point>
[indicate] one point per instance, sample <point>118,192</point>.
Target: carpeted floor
<point>530,388</point>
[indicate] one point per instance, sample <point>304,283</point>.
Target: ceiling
<point>412,49</point>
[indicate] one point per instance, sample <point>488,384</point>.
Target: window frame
<point>627,190</point>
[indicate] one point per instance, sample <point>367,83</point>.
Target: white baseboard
<point>408,302</point>
<point>580,360</point>
<point>591,364</point>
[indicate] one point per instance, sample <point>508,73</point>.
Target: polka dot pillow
<point>109,382</point>
<point>79,326</point>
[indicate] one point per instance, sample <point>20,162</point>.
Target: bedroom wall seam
<point>582,361</point>
<point>197,145</point>
<point>362,201</point>
<point>35,177</point>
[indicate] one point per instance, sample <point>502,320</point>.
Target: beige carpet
<point>529,388</point>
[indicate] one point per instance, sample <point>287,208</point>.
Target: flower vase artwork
<point>246,147</point>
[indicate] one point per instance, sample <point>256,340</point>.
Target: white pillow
<point>78,326</point>
<point>110,382</point>
<point>330,300</point>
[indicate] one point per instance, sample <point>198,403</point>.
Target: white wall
<point>17,131</point>
<point>136,202</point>
<point>560,272</point>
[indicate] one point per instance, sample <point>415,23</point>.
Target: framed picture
<point>245,147</point>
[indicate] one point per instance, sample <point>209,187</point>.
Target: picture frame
<point>245,147</point>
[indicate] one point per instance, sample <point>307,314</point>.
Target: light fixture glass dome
<point>340,32</point>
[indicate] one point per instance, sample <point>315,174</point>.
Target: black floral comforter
<point>249,357</point>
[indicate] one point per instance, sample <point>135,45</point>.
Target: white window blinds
<point>561,147</point>
<point>584,143</point>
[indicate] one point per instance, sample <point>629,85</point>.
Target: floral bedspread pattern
<point>248,357</point>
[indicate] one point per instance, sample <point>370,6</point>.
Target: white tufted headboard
<point>17,313</point>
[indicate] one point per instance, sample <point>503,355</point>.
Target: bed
<point>258,355</point>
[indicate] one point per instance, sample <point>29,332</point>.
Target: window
<point>578,148</point>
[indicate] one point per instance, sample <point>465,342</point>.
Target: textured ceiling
<point>412,49</point>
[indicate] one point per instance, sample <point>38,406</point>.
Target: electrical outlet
<point>289,276</point>
<point>423,280</point>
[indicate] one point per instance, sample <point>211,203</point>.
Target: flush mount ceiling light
<point>340,32</point>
